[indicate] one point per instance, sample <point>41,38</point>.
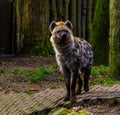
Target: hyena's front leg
<point>74,76</point>
<point>87,72</point>
<point>66,73</point>
<point>79,85</point>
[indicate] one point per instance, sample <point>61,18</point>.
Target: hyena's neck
<point>64,50</point>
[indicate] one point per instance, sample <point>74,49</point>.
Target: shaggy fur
<point>74,57</point>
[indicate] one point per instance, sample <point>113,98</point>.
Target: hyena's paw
<point>78,92</point>
<point>73,97</point>
<point>86,88</point>
<point>66,98</point>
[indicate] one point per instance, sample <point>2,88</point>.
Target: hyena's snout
<point>62,34</point>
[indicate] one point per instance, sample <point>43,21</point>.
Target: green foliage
<point>99,70</point>
<point>60,79</point>
<point>106,81</point>
<point>17,91</point>
<point>15,80</point>
<point>55,65</point>
<point>53,86</point>
<point>99,32</point>
<point>28,92</point>
<point>72,112</point>
<point>2,71</point>
<point>39,75</point>
<point>99,76</point>
<point>33,75</point>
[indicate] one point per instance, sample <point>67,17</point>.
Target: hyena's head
<point>61,32</point>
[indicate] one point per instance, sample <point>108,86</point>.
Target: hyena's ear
<point>52,26</point>
<point>69,24</point>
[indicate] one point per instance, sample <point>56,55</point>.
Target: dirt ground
<point>11,63</point>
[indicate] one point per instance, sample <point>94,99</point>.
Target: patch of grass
<point>60,79</point>
<point>55,65</point>
<point>39,75</point>
<point>2,71</point>
<point>14,79</point>
<point>106,81</point>
<point>33,75</point>
<point>101,78</point>
<point>99,70</point>
<point>22,72</point>
<point>111,81</point>
<point>28,92</point>
<point>53,86</point>
<point>97,81</point>
<point>17,91</point>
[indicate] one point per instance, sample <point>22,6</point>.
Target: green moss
<point>114,40</point>
<point>99,32</point>
<point>72,112</point>
<point>35,23</point>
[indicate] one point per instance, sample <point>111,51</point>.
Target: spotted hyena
<point>74,57</point>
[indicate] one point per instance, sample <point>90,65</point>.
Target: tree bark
<point>53,10</point>
<point>79,18</point>
<point>84,9</point>
<point>73,14</point>
<point>99,32</point>
<point>36,27</point>
<point>19,24</point>
<point>114,40</point>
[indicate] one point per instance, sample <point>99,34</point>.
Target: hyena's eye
<point>62,34</point>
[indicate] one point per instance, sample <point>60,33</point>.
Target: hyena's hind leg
<point>87,72</point>
<point>79,85</point>
<point>66,73</point>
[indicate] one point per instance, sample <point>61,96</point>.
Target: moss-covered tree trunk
<point>36,23</point>
<point>114,40</point>
<point>99,32</point>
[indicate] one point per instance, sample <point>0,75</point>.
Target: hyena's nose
<point>62,34</point>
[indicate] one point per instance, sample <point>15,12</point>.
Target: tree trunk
<point>99,32</point>
<point>84,9</point>
<point>34,16</point>
<point>65,10</point>
<point>114,40</point>
<point>53,10</point>
<point>79,18</point>
<point>19,24</point>
<point>73,14</point>
<point>89,18</point>
<point>36,27</point>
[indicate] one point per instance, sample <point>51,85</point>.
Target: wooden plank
<point>21,103</point>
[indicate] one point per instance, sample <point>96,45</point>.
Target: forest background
<point>97,21</point>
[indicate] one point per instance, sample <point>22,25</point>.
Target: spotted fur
<point>74,57</point>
